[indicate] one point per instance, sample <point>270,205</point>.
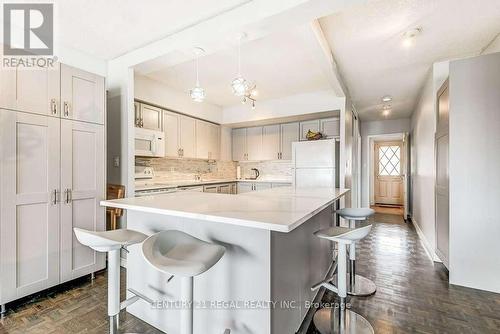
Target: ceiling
<point>281,64</point>
<point>367,44</point>
<point>130,23</point>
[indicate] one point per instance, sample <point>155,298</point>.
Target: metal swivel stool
<point>176,253</point>
<point>111,242</point>
<point>340,319</point>
<point>357,285</point>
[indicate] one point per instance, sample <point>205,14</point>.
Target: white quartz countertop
<point>193,183</point>
<point>278,209</point>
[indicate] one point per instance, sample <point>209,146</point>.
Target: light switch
<point>116,161</point>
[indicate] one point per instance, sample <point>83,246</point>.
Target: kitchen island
<point>262,284</point>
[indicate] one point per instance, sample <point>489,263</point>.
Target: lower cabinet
<point>245,187</point>
<point>52,177</point>
<point>225,188</point>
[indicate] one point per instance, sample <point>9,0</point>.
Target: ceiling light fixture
<point>197,93</point>
<point>387,98</point>
<point>240,86</point>
<point>410,35</point>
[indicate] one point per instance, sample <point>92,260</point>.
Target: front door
<point>389,175</point>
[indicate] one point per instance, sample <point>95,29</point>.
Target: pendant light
<point>197,93</point>
<point>239,85</point>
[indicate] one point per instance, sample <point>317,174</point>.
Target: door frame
<point>370,155</point>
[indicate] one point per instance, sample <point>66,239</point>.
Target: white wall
<point>158,93</point>
<point>474,162</point>
<point>384,127</point>
<point>293,105</point>
<point>423,128</point>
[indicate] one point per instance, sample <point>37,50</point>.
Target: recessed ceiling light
<point>387,98</point>
<point>410,35</point>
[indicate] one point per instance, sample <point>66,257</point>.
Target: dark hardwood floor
<point>413,295</point>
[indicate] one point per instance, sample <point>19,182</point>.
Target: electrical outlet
<point>116,161</point>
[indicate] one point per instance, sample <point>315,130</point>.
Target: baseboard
<point>423,240</point>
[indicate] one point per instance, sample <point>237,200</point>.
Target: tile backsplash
<point>272,170</point>
<point>169,169</point>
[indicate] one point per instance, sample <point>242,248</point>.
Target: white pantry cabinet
<point>82,95</point>
<point>29,212</point>
<point>82,188</point>
<point>31,89</point>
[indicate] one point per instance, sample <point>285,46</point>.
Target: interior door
<point>82,95</point>
<point>239,144</point>
<point>82,185</point>
<point>31,89</point>
<point>271,142</point>
<point>171,128</point>
<point>442,175</point>
<point>187,135</point>
<point>289,134</point>
<point>389,173</point>
<point>29,230</point>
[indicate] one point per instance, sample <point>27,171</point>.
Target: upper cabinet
<point>181,136</point>
<point>330,127</point>
<point>171,129</point>
<point>271,142</point>
<point>59,91</point>
<point>31,89</point>
<point>148,117</point>
<point>207,140</point>
<point>289,134</point>
<point>274,142</point>
<point>239,144</point>
<point>82,95</point>
<point>306,126</point>
<point>187,136</point>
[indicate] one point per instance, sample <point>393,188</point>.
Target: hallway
<point>413,295</point>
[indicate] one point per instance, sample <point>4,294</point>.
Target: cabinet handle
<point>66,109</point>
<point>54,200</point>
<point>142,122</point>
<point>69,196</point>
<point>53,106</point>
<point>182,151</point>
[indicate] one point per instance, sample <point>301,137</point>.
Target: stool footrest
<point>138,295</point>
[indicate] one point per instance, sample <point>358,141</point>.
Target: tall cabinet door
<point>29,215</point>
<point>82,95</point>
<point>82,186</point>
<point>289,134</point>
<point>187,135</point>
<point>171,129</point>
<point>31,89</point>
<point>254,143</point>
<point>239,144</point>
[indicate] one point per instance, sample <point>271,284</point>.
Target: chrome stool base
<point>327,321</point>
<point>363,286</point>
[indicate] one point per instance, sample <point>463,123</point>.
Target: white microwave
<point>149,143</point>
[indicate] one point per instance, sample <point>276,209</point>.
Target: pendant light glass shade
<point>239,86</point>
<point>197,93</point>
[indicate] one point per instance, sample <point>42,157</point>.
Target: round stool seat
<point>344,235</point>
<point>355,213</point>
<point>180,254</point>
<point>105,241</point>
<point>328,321</point>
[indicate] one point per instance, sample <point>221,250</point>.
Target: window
<point>389,163</point>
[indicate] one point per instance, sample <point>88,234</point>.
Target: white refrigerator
<point>314,164</point>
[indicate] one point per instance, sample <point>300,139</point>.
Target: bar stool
<point>340,319</point>
<point>111,242</point>
<point>176,253</point>
<point>357,285</point>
